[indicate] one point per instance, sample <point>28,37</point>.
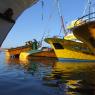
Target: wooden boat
<point>85,30</point>
<point>81,44</point>
<point>44,53</point>
<point>68,50</point>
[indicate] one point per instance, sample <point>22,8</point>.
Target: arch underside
<point>17,6</point>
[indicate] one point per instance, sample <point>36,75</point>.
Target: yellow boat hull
<point>73,55</point>
<point>69,54</point>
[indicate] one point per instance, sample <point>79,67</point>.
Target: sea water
<point>45,76</point>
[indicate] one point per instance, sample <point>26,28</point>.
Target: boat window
<point>58,46</point>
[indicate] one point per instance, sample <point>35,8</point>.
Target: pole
<point>89,8</point>
<point>61,17</point>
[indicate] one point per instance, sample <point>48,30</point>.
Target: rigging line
<point>42,17</point>
<point>61,17</point>
<point>42,4</point>
<point>60,30</point>
<point>52,13</point>
<point>93,12</point>
<point>49,18</point>
<point>85,8</point>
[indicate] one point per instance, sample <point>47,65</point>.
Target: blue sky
<point>30,24</point>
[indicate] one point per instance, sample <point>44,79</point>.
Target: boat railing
<point>84,19</point>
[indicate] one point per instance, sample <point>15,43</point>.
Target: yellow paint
<point>23,55</point>
<point>70,37</point>
<point>7,53</point>
<point>74,23</point>
<point>67,53</point>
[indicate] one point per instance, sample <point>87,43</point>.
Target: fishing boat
<point>44,52</point>
<point>85,31</point>
<point>84,28</point>
<point>79,44</point>
<point>69,50</point>
<point>10,10</point>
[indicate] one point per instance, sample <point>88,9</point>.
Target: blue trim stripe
<point>74,60</point>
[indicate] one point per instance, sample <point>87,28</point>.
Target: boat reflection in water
<point>72,78</point>
<point>59,78</point>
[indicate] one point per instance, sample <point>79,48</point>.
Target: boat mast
<point>89,8</point>
<point>61,17</point>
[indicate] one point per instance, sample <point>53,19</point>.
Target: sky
<point>30,25</point>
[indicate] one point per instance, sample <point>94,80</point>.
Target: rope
<point>86,7</point>
<point>61,17</point>
<point>60,30</point>
<point>47,24</point>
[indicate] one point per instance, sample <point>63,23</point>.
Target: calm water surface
<point>39,76</point>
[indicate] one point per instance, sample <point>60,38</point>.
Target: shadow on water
<point>50,77</point>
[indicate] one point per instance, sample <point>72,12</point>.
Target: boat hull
<point>86,34</point>
<point>68,54</point>
<point>74,60</point>
<point>50,54</point>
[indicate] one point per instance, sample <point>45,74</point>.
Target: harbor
<point>47,47</point>
<point>46,77</point>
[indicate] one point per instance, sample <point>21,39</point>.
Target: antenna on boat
<point>42,4</point>
<point>42,17</point>
<point>89,8</point>
<point>61,17</point>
